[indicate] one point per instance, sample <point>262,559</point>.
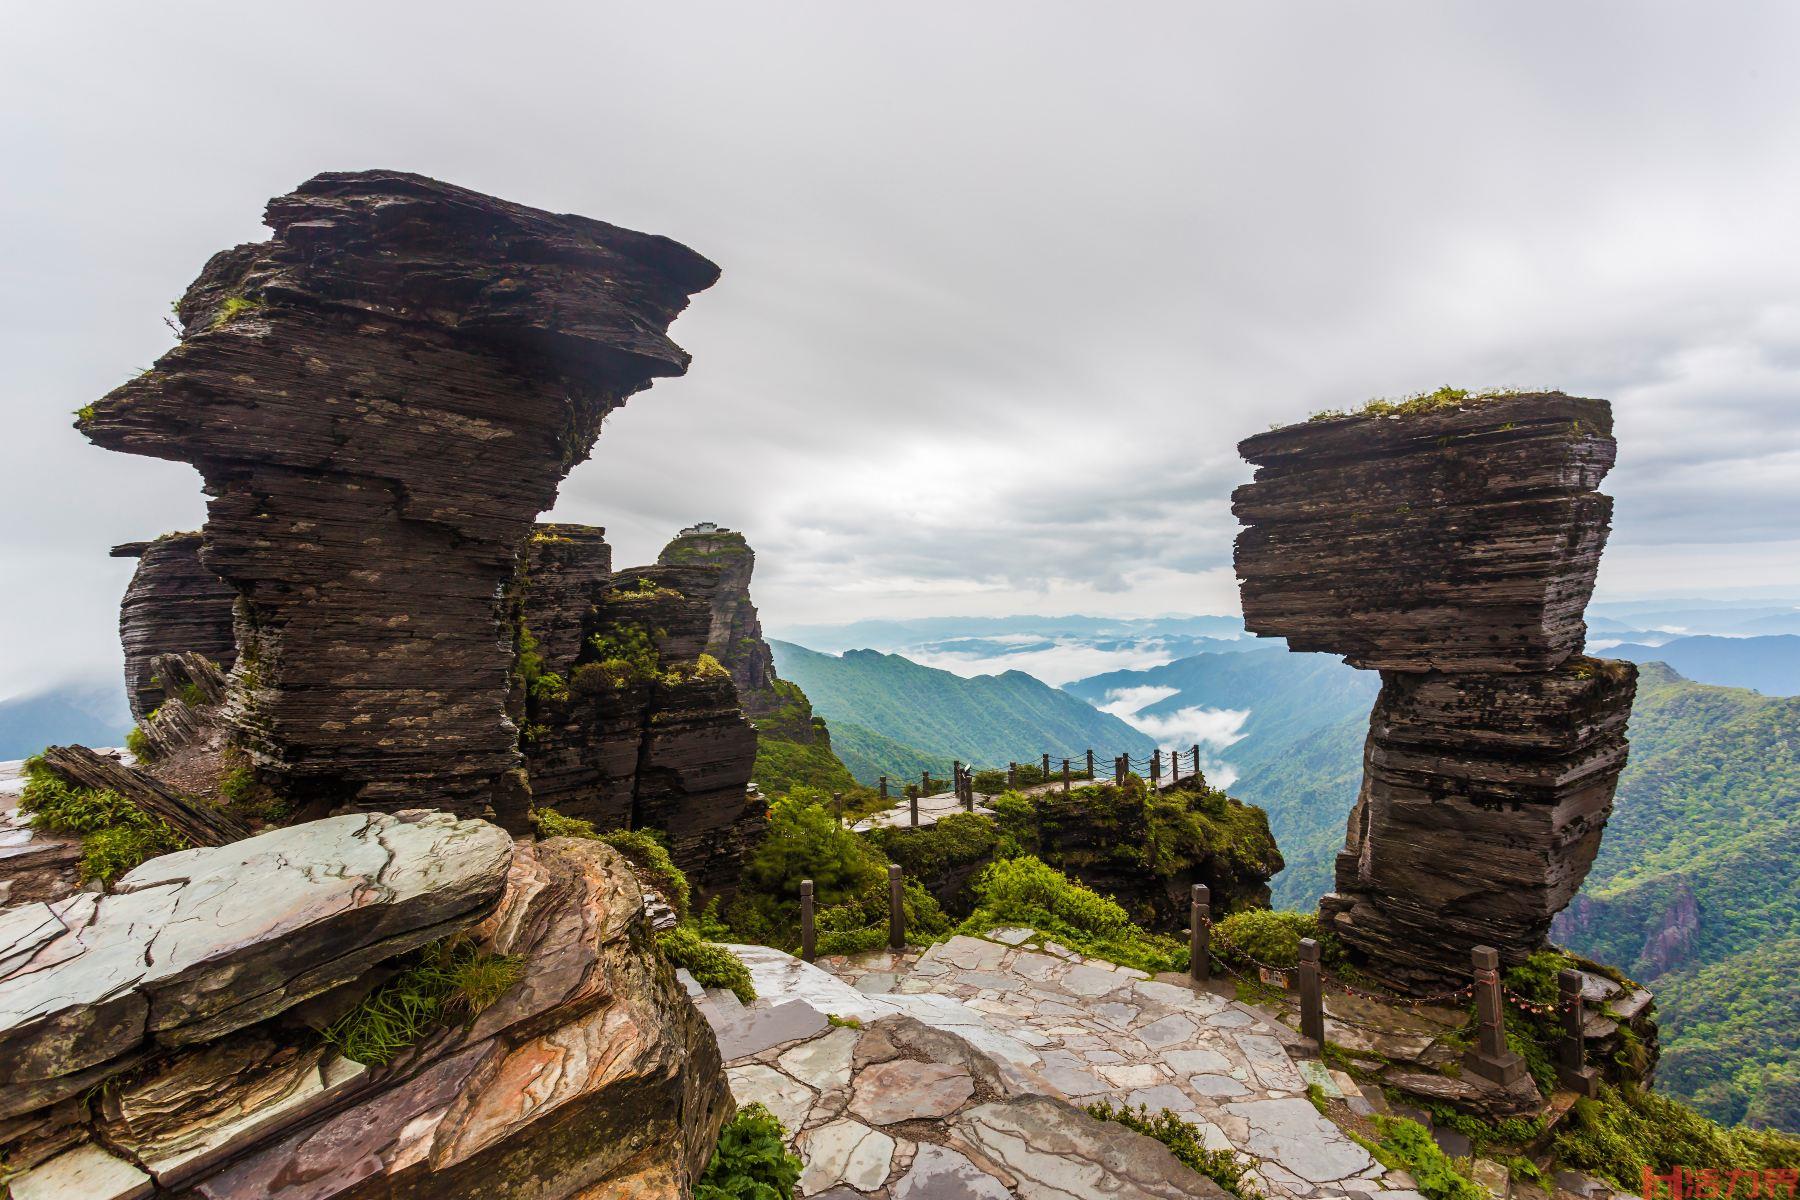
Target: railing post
<point>884,794</point>
<point>1065,776</point>
<point>1155,767</point>
<point>837,806</point>
<point>956,777</point>
<point>896,909</point>
<point>1200,934</point>
<point>969,790</point>
<point>1312,995</point>
<point>1174,767</point>
<point>1046,768</point>
<point>924,783</point>
<point>1012,776</point>
<point>1490,1058</point>
<point>913,804</point>
<point>1196,758</point>
<point>807,939</point>
<point>1572,1070</point>
<point>1090,764</point>
<point>1119,771</point>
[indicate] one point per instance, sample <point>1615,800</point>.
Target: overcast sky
<point>1004,283</point>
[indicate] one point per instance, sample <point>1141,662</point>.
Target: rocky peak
<point>381,399</point>
<point>736,636</point>
<point>1452,544</point>
<point>173,605</point>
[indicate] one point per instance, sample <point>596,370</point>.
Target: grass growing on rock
<point>115,834</point>
<point>711,966</point>
<point>1628,1131</point>
<point>642,848</point>
<point>1408,1146</point>
<point>751,1161</point>
<point>1185,1143</point>
<point>449,980</point>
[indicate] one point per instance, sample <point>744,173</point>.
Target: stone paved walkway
<point>1049,1023</point>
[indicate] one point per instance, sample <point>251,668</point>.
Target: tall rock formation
<point>381,399</point>
<point>627,724</point>
<point>736,636</point>
<point>793,745</point>
<point>1451,545</point>
<point>174,605</point>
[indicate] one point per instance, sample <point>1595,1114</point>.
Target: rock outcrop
<point>187,992</point>
<point>1453,548</point>
<point>381,399</point>
<point>174,605</point>
<point>629,724</point>
<point>736,636</point>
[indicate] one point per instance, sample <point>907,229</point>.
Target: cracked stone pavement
<point>1048,1028</point>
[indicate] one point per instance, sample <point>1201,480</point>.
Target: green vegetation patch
<point>1027,891</point>
<point>711,966</point>
<point>1271,937</point>
<point>624,654</point>
<point>1628,1131</point>
<point>115,834</point>
<point>447,980</point>
<point>642,848</point>
<point>233,308</point>
<point>752,1160</point>
<point>1408,1146</point>
<point>1185,1142</point>
<point>1416,405</point>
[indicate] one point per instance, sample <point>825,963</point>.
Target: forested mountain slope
<point>988,720</point>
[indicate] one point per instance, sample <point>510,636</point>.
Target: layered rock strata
<point>174,605</point>
<point>629,726</point>
<point>381,398</point>
<point>590,1075</point>
<point>736,636</point>
<point>1454,549</point>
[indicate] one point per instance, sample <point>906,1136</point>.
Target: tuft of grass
<point>552,824</point>
<point>1408,1146</point>
<point>137,742</point>
<point>710,965</point>
<point>84,414</point>
<point>450,980</point>
<point>1412,406</point>
<point>233,308</point>
<point>115,834</point>
<point>1185,1143</point>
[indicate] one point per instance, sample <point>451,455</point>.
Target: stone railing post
<point>1065,776</point>
<point>884,792</point>
<point>969,790</point>
<point>913,804</point>
<point>1155,766</point>
<point>1046,768</point>
<point>1090,764</point>
<point>808,940</point>
<point>1200,934</point>
<point>1312,994</point>
<point>1012,776</point>
<point>896,909</point>
<point>1119,771</point>
<point>1572,1070</point>
<point>1490,1058</point>
<point>924,783</point>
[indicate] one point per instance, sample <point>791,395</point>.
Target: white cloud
<point>1124,703</point>
<point>1064,662</point>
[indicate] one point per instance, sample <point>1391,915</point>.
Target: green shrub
<point>1185,1143</point>
<point>752,1160</point>
<point>1271,936</point>
<point>1628,1131</point>
<point>447,980</point>
<point>1024,891</point>
<point>708,667</point>
<point>1408,1146</point>
<point>115,834</point>
<point>710,965</point>
<point>137,744</point>
<point>651,857</point>
<point>623,655</point>
<point>233,308</point>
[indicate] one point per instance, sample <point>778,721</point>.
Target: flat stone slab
<point>908,1090</point>
<point>844,1152</point>
<point>1293,1134</point>
<point>195,944</point>
<point>84,1173</point>
<point>753,1030</point>
<point>938,1173</point>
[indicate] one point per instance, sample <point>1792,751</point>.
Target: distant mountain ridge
<point>91,712</point>
<point>1769,664</point>
<point>988,720</point>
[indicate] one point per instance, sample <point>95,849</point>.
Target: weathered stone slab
<point>197,943</point>
<point>907,1090</point>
